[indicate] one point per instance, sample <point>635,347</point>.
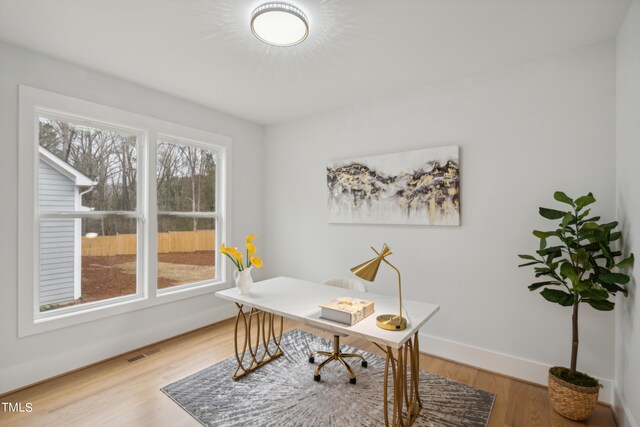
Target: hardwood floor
<point>119,393</point>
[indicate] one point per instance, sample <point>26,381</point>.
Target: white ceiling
<point>357,50</point>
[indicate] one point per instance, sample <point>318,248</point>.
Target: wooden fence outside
<point>173,241</point>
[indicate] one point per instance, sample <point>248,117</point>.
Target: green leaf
<point>595,294</point>
<point>556,250</point>
<point>608,277</point>
<point>625,262</point>
<point>592,219</point>
<point>583,258</point>
<point>534,286</point>
<point>563,298</point>
<point>607,254</point>
<point>543,243</point>
<point>543,234</point>
<point>568,217</point>
<point>569,271</point>
<point>590,226</point>
<point>529,263</point>
<point>583,201</point>
<point>592,247</point>
<point>593,231</point>
<point>551,213</point>
<point>581,286</point>
<point>613,288</point>
<point>615,236</point>
<point>561,197</point>
<point>584,214</point>
<point>601,305</point>
<point>544,271</point>
<point>531,257</point>
<point>616,253</point>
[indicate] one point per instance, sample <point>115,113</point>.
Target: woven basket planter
<point>572,401</point>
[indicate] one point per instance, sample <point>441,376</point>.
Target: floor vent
<point>147,353</point>
<point>137,357</point>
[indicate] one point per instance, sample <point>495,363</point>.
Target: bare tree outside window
<point>186,183</point>
<point>105,156</point>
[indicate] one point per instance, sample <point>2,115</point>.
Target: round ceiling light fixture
<point>279,24</point>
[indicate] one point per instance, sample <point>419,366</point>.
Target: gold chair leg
<point>335,354</point>
<point>346,365</point>
<point>345,355</point>
<point>324,362</point>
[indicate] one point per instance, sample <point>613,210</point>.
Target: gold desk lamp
<point>368,271</point>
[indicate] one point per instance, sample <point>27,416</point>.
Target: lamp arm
<point>399,285</point>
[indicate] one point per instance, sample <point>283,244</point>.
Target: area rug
<point>283,393</point>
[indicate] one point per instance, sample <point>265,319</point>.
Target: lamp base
<point>391,322</point>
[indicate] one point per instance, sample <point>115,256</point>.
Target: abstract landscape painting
<point>420,187</point>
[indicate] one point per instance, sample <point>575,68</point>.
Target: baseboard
<point>620,409</point>
<point>501,363</point>
<point>26,374</point>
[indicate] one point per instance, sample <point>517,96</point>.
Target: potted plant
<point>579,266</point>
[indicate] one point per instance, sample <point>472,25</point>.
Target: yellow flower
<point>234,252</point>
<point>223,249</point>
<point>256,262</point>
<point>251,248</point>
<point>250,238</point>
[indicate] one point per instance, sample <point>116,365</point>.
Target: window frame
<point>33,101</point>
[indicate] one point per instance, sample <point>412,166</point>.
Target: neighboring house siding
<point>57,237</point>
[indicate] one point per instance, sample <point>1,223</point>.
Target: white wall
<point>627,375</point>
<point>524,132</point>
<point>23,361</point>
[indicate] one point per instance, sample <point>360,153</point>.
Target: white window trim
<point>30,320</point>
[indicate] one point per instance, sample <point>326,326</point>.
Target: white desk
<point>299,300</point>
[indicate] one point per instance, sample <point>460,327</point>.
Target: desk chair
<point>335,354</point>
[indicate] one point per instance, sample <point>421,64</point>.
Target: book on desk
<point>347,310</point>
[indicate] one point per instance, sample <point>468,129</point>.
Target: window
<point>87,212</point>
<point>186,194</point>
<point>104,229</point>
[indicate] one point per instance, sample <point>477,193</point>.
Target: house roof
<point>65,168</point>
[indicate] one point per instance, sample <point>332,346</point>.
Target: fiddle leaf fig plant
<point>576,262</point>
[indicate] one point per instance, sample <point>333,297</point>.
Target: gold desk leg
<point>405,372</point>
<point>265,333</point>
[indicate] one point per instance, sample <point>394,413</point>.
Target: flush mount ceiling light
<point>279,24</point>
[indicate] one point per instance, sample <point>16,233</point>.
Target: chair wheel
<point>311,359</point>
<point>352,380</point>
<point>364,364</point>
<point>316,377</point>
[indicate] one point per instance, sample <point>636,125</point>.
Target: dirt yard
<point>112,276</point>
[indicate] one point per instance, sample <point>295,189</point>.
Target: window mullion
<point>151,259</point>
<point>89,214</point>
<point>189,214</point>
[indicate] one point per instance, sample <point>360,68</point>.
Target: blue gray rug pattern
<point>283,393</point>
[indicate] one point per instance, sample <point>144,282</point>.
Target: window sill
<point>189,291</point>
<point>114,308</point>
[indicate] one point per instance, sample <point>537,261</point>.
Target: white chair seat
<point>346,283</point>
